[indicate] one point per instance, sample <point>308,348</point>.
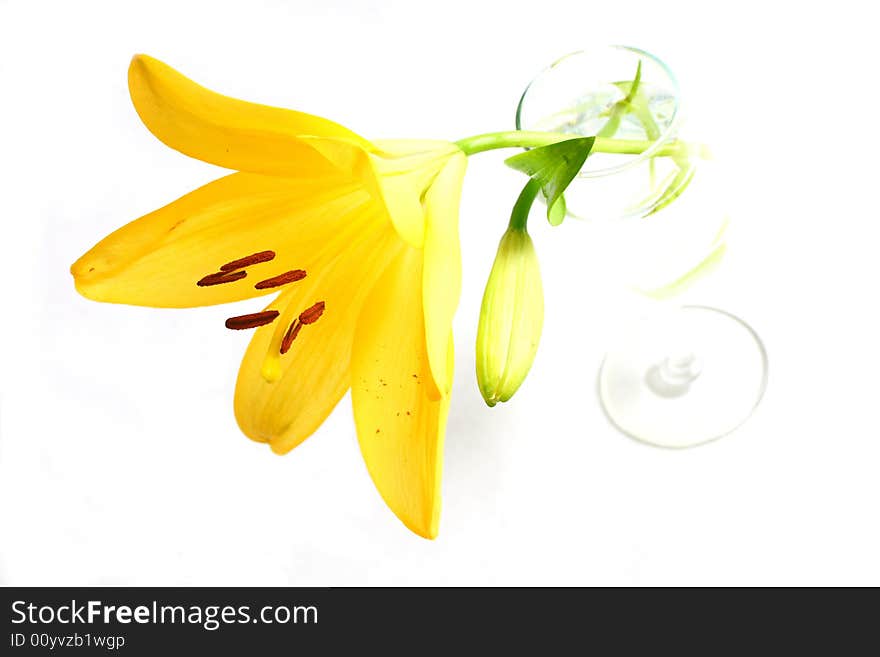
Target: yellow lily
<point>362,239</point>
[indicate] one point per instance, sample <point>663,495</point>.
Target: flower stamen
<point>308,316</point>
<point>220,277</point>
<point>281,279</point>
<point>292,331</point>
<point>251,321</point>
<point>247,261</point>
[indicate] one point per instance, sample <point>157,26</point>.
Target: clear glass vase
<point>580,94</point>
<point>681,375</point>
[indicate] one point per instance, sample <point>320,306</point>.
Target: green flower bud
<point>511,318</point>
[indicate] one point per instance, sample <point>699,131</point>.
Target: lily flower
<point>361,239</point>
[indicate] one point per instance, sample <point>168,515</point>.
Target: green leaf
<point>679,183</point>
<point>556,212</point>
<point>642,111</point>
<point>622,107</point>
<point>553,166</point>
<point>635,84</point>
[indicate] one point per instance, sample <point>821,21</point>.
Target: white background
<point>120,460</point>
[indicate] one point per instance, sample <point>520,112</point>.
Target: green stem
<point>519,217</point>
<point>533,139</point>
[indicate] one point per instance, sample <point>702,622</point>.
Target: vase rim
<point>667,134</point>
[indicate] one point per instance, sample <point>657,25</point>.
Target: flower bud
<point>511,318</point>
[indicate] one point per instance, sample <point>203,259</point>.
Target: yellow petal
<point>400,428</point>
<point>314,374</point>
<point>158,259</point>
<point>442,273</point>
<point>230,133</point>
<point>403,169</point>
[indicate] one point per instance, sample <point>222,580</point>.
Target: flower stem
<point>519,217</point>
<point>533,139</point>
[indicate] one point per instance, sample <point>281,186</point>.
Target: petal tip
<point>427,528</point>
<point>139,66</point>
<point>86,281</point>
<point>279,449</point>
<point>428,536</point>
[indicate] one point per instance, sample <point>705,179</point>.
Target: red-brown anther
<point>217,278</point>
<point>247,261</point>
<point>251,321</point>
<point>308,316</point>
<point>311,315</point>
<point>282,279</point>
<point>292,331</point>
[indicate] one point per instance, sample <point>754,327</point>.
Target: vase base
<point>684,379</point>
